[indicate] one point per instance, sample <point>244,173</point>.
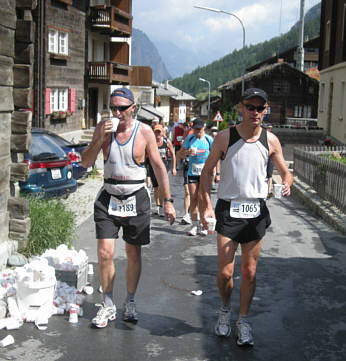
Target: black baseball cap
<point>198,123</point>
<point>255,92</point>
<point>124,93</point>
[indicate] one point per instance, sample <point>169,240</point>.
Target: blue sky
<point>198,30</point>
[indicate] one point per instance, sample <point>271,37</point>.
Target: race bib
<point>196,168</point>
<point>179,138</point>
<point>245,209</point>
<point>162,152</point>
<point>122,208</point>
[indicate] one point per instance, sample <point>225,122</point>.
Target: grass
<point>51,225</point>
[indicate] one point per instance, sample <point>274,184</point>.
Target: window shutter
<point>72,100</point>
<point>47,100</point>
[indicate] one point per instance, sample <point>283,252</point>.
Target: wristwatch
<point>168,200</point>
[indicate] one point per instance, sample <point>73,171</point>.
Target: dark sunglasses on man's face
<point>251,107</point>
<point>121,108</point>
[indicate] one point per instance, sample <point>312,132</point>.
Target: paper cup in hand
<point>115,122</point>
<point>211,225</point>
<point>8,340</point>
<point>193,151</point>
<point>278,190</point>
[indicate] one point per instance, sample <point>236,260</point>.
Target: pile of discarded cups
<point>32,293</point>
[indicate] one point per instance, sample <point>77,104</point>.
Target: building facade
<point>332,66</point>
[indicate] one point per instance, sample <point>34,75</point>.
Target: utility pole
<point>300,49</point>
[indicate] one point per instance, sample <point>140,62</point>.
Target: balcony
<point>109,73</point>
<point>111,20</point>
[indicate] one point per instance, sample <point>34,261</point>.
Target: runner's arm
<point>204,201</point>
<point>280,163</point>
<point>101,137</point>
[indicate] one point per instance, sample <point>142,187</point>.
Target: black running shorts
<point>241,230</point>
<point>136,229</point>
<point>193,179</point>
<point>151,173</point>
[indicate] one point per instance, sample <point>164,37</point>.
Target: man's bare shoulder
<point>222,137</point>
<point>273,142</point>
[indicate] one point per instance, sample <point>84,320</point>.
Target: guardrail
<point>326,176</point>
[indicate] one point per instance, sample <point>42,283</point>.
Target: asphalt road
<point>298,312</point>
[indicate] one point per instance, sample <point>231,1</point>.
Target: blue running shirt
<point>203,145</point>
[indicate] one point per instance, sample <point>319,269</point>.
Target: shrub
<point>51,225</point>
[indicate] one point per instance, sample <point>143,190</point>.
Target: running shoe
<point>186,219</point>
<point>104,315</point>
<point>244,333</point>
<point>202,231</point>
<point>223,324</point>
<point>193,231</point>
<point>129,312</point>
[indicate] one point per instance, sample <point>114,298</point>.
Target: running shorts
<point>136,229</point>
<point>151,173</point>
<point>241,230</point>
<point>193,178</point>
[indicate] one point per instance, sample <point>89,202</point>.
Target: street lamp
<point>207,81</point>
<point>242,25</point>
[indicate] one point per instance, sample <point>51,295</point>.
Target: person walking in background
<point>123,201</point>
<point>165,146</point>
<point>178,139</point>
<point>197,147</point>
<point>241,212</point>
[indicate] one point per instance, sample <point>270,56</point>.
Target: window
<point>342,100</point>
<point>307,111</point>
<point>327,36</point>
<point>58,99</point>
<point>322,95</point>
<point>58,42</point>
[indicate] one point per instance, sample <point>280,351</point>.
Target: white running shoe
<point>223,324</point>
<point>104,315</point>
<point>129,312</point>
<point>193,231</point>
<point>202,231</point>
<point>186,219</point>
<point>244,333</point>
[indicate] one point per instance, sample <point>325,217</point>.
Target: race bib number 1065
<point>245,209</point>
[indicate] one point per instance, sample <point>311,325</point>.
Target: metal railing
<point>325,175</point>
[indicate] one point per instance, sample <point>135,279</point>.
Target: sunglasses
<point>121,108</point>
<point>251,107</point>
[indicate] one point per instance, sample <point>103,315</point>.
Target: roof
<point>173,92</point>
<point>148,112</point>
<point>262,72</point>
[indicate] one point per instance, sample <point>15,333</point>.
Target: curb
<point>322,208</point>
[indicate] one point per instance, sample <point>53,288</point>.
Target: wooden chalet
<point>292,93</point>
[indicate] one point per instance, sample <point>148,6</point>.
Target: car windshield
<point>41,143</point>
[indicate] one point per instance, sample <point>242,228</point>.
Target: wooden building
<point>292,93</point>
<point>332,66</point>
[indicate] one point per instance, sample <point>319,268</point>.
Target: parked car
<point>73,151</point>
<point>50,170</point>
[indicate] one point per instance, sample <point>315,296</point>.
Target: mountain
<point>173,56</point>
<point>230,66</point>
<point>145,53</point>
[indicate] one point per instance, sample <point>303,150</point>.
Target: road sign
<point>218,117</point>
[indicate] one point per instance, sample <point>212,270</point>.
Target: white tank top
<point>244,168</point>
<point>122,174</point>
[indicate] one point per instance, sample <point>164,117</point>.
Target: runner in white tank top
<point>241,213</point>
<point>124,202</point>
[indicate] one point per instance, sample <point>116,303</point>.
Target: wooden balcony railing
<point>109,72</point>
<point>111,20</point>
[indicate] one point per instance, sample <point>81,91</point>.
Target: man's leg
<point>250,254</point>
<point>226,249</point>
<point>106,270</point>
<point>193,190</point>
<point>133,273</point>
<point>186,199</point>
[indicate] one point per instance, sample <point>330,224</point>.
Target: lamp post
<point>242,25</point>
<point>207,81</point>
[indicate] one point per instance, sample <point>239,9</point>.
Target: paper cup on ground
<point>73,314</point>
<point>90,269</point>
<point>193,150</point>
<point>115,122</point>
<point>211,225</point>
<point>8,340</point>
<point>278,190</point>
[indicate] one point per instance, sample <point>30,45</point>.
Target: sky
<point>177,21</point>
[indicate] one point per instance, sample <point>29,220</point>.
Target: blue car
<point>50,170</point>
<point>73,151</point>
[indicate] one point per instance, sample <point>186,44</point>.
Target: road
<point>298,312</point>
